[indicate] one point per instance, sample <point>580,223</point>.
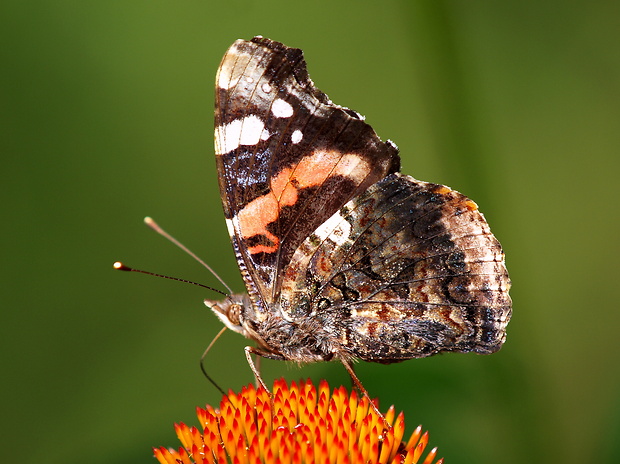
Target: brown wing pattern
<point>287,158</point>
<point>405,270</point>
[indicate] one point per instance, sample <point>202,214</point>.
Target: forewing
<point>287,157</point>
<point>405,270</point>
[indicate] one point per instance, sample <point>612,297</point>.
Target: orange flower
<point>296,425</point>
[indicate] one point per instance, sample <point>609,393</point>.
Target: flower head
<point>299,424</point>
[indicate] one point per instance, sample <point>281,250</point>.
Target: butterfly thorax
<point>304,340</point>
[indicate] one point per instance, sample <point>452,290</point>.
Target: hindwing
<point>404,270</point>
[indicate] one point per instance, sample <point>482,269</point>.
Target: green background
<point>106,117</point>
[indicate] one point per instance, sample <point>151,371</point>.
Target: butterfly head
<point>231,311</point>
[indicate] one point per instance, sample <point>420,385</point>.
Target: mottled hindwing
<point>287,158</point>
<point>405,270</point>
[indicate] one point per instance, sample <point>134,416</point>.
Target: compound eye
<point>234,314</point>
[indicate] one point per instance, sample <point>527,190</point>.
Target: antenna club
<point>150,222</point>
<point>121,267</point>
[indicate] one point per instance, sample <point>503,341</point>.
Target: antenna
<point>153,225</point>
<point>121,267</point>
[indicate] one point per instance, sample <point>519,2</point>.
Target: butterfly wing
<point>405,270</point>
<point>287,158</point>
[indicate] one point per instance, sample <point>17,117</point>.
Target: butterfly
<point>343,257</point>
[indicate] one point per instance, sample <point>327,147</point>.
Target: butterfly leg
<point>202,361</point>
<point>249,351</point>
<point>358,384</point>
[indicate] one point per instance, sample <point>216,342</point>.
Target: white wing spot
<point>226,81</point>
<point>296,136</point>
<point>281,109</point>
<point>266,87</point>
<point>230,225</point>
<point>336,228</point>
<point>245,131</point>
